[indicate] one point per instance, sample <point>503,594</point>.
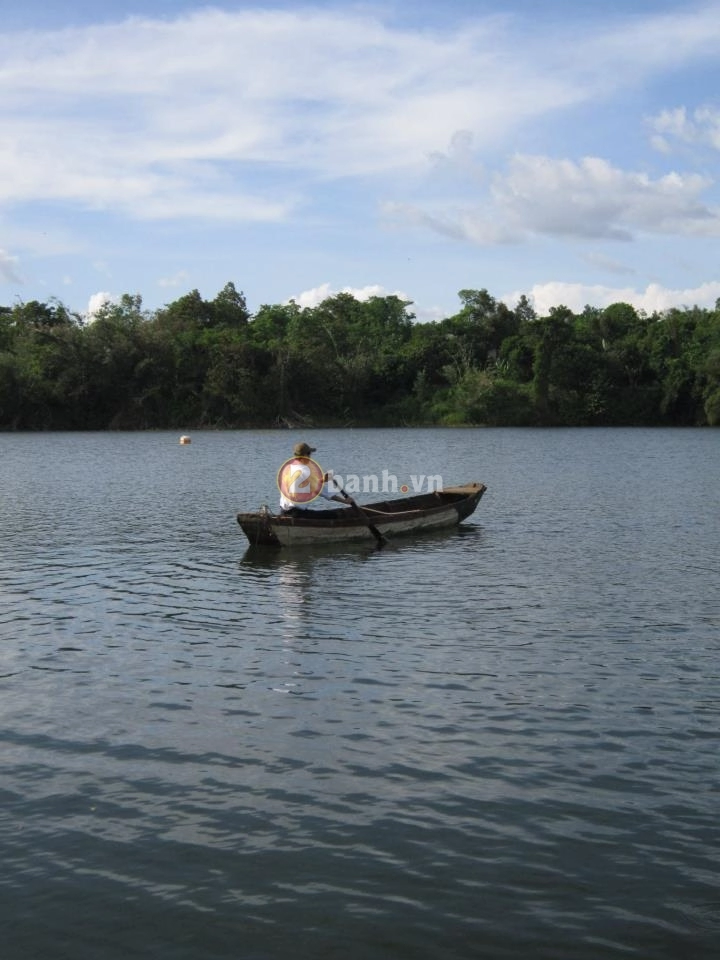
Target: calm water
<point>495,743</point>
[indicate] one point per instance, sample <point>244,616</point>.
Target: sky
<point>568,151</point>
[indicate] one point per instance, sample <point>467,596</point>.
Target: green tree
<point>229,308</point>
<point>481,326</point>
<point>198,362</point>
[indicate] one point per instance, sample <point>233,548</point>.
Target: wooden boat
<point>404,515</point>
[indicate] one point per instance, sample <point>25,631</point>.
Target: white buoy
<point>185,440</point>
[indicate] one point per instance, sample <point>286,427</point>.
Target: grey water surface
<point>497,742</point>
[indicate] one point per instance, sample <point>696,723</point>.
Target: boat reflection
<point>307,591</point>
<point>269,558</point>
<point>305,556</point>
<point>300,585</point>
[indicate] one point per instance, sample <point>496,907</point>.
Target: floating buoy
<point>184,440</point>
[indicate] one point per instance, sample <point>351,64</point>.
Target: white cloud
<point>595,199</point>
<point>654,298</point>
<point>97,302</point>
<point>431,314</point>
<point>543,196</point>
<point>315,296</point>
<point>8,271</point>
<point>187,117</point>
<point>422,314</point>
<point>700,128</point>
<point>248,115</point>
<point>624,50</point>
<point>122,173</point>
<point>311,298</point>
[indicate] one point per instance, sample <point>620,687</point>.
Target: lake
<point>495,742</point>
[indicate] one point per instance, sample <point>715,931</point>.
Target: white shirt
<point>328,492</point>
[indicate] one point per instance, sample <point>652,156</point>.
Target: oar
<point>371,527</point>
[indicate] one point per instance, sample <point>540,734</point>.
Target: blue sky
<point>567,151</point>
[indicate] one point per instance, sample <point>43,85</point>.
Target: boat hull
<point>401,517</point>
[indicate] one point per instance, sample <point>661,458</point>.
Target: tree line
<point>211,363</point>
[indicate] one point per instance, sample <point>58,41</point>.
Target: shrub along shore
<point>198,363</point>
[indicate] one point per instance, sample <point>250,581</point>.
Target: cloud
<point>193,117</point>
<point>97,302</point>
<point>315,296</point>
<point>699,128</point>
<point>660,40</point>
<point>8,272</point>
<point>591,199</point>
<point>577,296</point>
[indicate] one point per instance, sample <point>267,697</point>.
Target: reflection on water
<point>498,741</point>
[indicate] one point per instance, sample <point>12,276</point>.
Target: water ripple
<point>498,742</point>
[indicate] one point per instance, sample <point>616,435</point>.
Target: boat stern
<point>258,529</point>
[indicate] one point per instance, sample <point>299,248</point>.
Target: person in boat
<point>328,491</point>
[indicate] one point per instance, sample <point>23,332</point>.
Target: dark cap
<point>303,449</point>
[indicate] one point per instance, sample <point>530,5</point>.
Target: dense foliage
<point>200,363</point>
